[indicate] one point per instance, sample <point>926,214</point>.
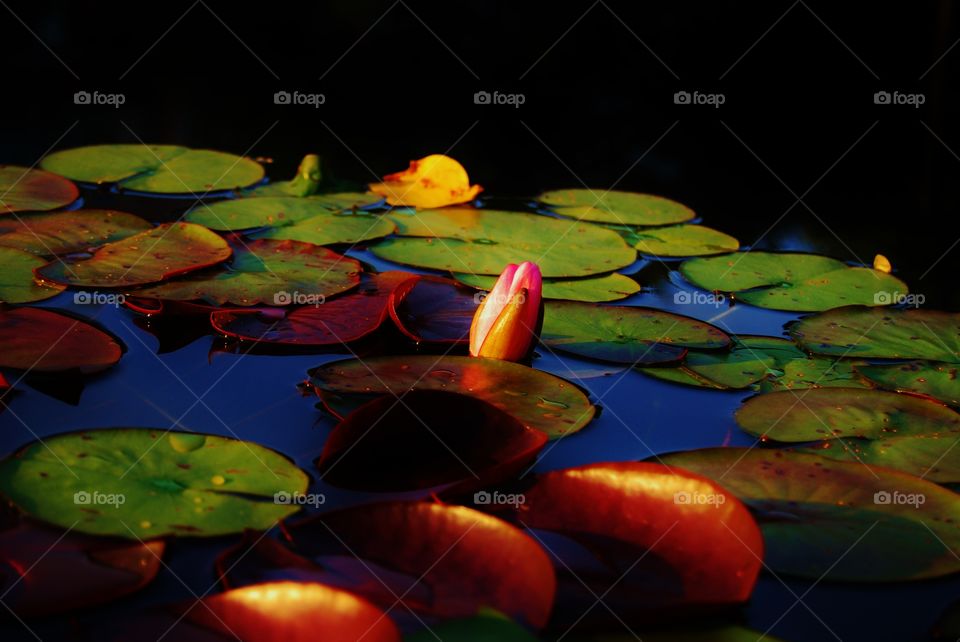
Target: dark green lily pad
<point>625,208</point>
<point>539,400</point>
<point>160,253</point>
<point>839,521</point>
<point>143,483</point>
<point>592,289</point>
<point>681,241</point>
<point>882,333</point>
<point>815,372</point>
<point>623,334</point>
<point>487,626</point>
<point>17,283</point>
<point>42,340</point>
<point>33,190</point>
<point>160,169</point>
<point>794,282</point>
<point>476,241</point>
<point>266,272</point>
<point>67,232</point>
<point>938,380</point>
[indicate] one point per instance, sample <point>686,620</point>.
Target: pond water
<point>201,386</point>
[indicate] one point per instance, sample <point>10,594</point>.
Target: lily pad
<point>938,380</point>
<point>621,334</point>
<point>46,341</point>
<point>344,319</point>
<point>837,521</point>
<point>446,437</point>
<point>17,283</point>
<point>144,483</point>
<point>160,169</point>
<point>487,626</point>
<point>537,399</point>
<point>681,241</point>
<point>592,289</point>
<point>882,333</point>
<point>933,457</point>
<point>68,232</point>
<point>816,372</point>
<point>434,310</point>
<point>266,271</point>
<point>625,208</point>
<point>793,282</point>
<point>33,190</point>
<point>168,250</point>
<point>484,241</point>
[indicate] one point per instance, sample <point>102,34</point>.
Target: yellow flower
<point>433,181</point>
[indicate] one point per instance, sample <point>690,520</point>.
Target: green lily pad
<point>17,284</point>
<point>160,169</point>
<point>933,457</point>
<point>623,334</point>
<point>834,520</point>
<point>266,271</point>
<point>332,228</point>
<point>938,380</point>
<point>794,282</point>
<point>882,333</point>
<point>306,181</point>
<point>625,208</point>
<point>681,241</point>
<point>67,232</point>
<point>592,289</point>
<point>42,340</point>
<point>485,241</point>
<point>539,400</point>
<point>23,189</point>
<point>487,626</point>
<point>143,483</point>
<point>160,253</point>
<point>816,372</point>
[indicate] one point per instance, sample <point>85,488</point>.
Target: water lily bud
<point>505,324</point>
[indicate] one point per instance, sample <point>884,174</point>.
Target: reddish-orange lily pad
<point>46,341</point>
<point>33,190</point>
<point>434,309</point>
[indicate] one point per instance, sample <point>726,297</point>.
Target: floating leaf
<point>484,241</point>
<point>332,228</point>
<point>341,320</point>
<point>24,189</point>
<point>144,483</point>
<point>46,341</point>
<point>795,282</point>
<point>433,309</point>
<point>67,232</point>
<point>594,289</point>
<point>168,250</point>
<point>704,546</point>
<point>607,206</point>
<point>882,333</point>
<point>749,360</point>
<point>160,169</point>
<point>266,271</point>
<point>933,457</point>
<point>938,380</point>
<point>623,334</point>
<point>433,181</point>
<point>816,372</point>
<point>17,284</point>
<point>536,398</point>
<point>838,521</point>
<point>681,241</point>
<point>487,626</point>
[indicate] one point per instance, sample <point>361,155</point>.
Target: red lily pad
<point>45,341</point>
<point>668,537</point>
<point>33,190</point>
<point>67,232</point>
<point>434,309</point>
<point>341,320</point>
<point>447,438</point>
<point>157,254</point>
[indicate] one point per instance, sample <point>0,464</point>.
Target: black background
<point>399,79</point>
